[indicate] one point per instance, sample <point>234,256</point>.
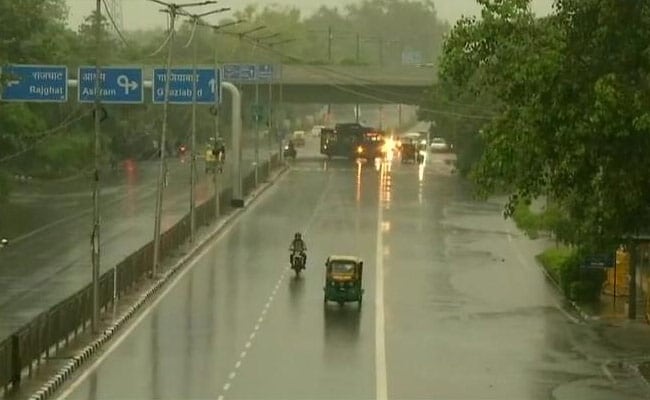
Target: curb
<point>88,351</point>
<point>583,315</point>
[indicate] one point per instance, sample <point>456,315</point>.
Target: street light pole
<point>95,237</point>
<point>193,146</point>
<point>215,113</point>
<point>356,106</point>
<point>257,130</point>
<point>163,136</point>
<point>329,44</point>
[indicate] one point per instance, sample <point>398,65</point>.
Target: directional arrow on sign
<point>213,85</point>
<point>12,83</point>
<point>124,82</point>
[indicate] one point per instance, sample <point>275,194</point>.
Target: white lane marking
<point>266,307</point>
<point>170,285</point>
<point>381,378</point>
<point>527,264</point>
<point>145,313</point>
<point>605,369</point>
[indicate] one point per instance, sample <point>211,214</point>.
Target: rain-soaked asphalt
<point>454,306</point>
<point>50,263</point>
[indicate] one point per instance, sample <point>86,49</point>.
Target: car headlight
<point>359,149</point>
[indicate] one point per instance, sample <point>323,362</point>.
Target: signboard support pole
<point>269,118</point>
<point>162,169</point>
<point>95,238</point>
<point>257,131</point>
<point>193,146</point>
<point>237,196</point>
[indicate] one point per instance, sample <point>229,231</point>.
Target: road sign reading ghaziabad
<point>34,83</point>
<point>118,85</point>
<point>180,85</point>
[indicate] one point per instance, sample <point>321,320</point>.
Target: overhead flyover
<point>350,84</point>
<point>338,84</point>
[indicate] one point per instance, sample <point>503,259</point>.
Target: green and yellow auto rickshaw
<point>343,278</point>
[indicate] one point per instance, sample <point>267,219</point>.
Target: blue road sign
<point>34,83</point>
<point>121,85</point>
<point>598,261</point>
<point>180,86</point>
<point>239,72</point>
<point>264,72</point>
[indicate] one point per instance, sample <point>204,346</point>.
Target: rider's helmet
<point>297,236</point>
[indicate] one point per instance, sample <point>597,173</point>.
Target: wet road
<point>45,266</point>
<point>454,308</point>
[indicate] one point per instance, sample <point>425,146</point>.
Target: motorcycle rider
<point>298,246</point>
<point>4,243</point>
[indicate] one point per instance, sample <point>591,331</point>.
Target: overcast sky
<point>142,14</point>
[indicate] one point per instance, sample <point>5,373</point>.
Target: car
<point>439,145</point>
<point>298,138</point>
<point>315,131</point>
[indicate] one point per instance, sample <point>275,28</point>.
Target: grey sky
<point>142,14</point>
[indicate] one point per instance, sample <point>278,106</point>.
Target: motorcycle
<point>290,152</point>
<point>297,262</point>
<point>4,243</point>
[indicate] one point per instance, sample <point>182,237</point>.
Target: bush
<point>4,187</point>
<point>526,220</point>
<point>64,156</point>
<point>552,260</point>
<point>563,264</point>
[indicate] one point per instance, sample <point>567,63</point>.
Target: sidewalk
<point>608,318</point>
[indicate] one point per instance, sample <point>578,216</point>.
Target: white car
<point>298,138</point>
<point>315,131</point>
<point>439,145</point>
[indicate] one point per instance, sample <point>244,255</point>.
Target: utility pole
<point>95,237</point>
<point>193,144</point>
<point>329,44</point>
<point>195,19</point>
<point>173,10</point>
<point>257,129</point>
<point>215,111</point>
<point>356,106</point>
<point>215,114</point>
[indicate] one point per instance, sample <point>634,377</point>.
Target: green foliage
<point>553,258</point>
<point>4,187</point>
<point>572,115</point>
<point>528,221</point>
<point>64,156</point>
<point>563,265</point>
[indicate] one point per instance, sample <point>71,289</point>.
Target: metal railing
<point>26,348</point>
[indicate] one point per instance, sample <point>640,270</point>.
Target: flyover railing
<point>53,329</point>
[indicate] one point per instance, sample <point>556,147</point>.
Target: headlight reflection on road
<point>358,181</point>
<point>385,184</point>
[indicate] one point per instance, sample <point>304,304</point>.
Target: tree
<point>574,121</point>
